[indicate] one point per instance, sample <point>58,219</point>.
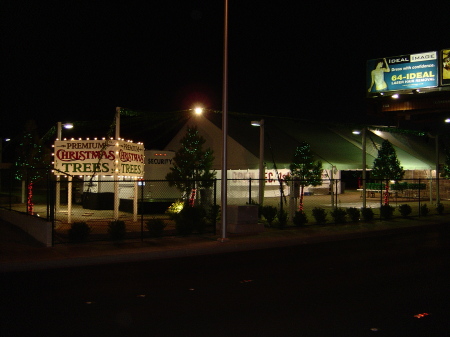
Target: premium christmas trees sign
<point>106,157</point>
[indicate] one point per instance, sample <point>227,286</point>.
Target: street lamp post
<point>364,164</point>
<point>224,179</point>
<point>364,169</point>
<point>438,201</point>
<point>59,127</point>
<point>261,160</point>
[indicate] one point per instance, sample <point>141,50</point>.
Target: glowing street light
<point>198,111</point>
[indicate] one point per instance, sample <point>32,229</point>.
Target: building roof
<point>333,144</point>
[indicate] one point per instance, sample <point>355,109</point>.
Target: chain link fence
<point>67,200</point>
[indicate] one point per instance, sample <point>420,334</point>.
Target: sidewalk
<point>19,252</point>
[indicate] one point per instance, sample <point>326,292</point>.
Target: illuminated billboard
<point>405,72</point>
<point>445,59</point>
<point>105,157</point>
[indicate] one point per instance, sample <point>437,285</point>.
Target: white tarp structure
<point>335,145</point>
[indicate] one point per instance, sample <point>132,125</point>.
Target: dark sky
<point>78,60</point>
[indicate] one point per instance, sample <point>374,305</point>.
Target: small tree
<point>30,160</point>
<point>192,165</point>
<point>269,213</point>
<point>304,171</point>
<point>117,230</point>
<point>446,170</point>
<point>387,167</point>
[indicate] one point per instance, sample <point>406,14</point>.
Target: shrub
<point>424,210</point>
<point>190,219</point>
<point>354,214</point>
<point>320,215</point>
<point>269,213</point>
<point>405,210</point>
<point>386,211</point>
<point>79,232</point>
<point>175,208</point>
<point>155,227</point>
<point>282,216</point>
<point>214,213</point>
<point>300,218</point>
<point>117,230</point>
<point>338,215</point>
<point>440,208</point>
<point>367,214</point>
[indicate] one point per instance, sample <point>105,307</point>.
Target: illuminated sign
<point>445,59</point>
<point>403,72</point>
<point>105,157</point>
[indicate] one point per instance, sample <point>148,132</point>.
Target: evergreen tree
<point>304,171</point>
<point>192,165</point>
<point>30,160</point>
<point>387,167</point>
<point>446,170</point>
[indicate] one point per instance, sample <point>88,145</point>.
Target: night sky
<point>78,60</point>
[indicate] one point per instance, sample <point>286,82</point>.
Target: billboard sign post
<point>445,59</point>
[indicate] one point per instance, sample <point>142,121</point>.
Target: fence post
<point>142,209</point>
<point>332,189</point>
<point>215,204</point>
<point>51,204</point>
<point>338,183</point>
<point>250,190</point>
<point>418,186</point>
<point>380,186</point>
<point>11,177</point>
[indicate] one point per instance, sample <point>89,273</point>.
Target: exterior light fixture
<point>68,126</point>
<point>356,132</point>
<point>447,120</point>
<point>395,96</point>
<point>198,111</point>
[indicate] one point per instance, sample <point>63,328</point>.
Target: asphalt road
<point>396,285</point>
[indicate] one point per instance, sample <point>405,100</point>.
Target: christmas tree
<point>192,165</point>
<point>387,167</point>
<point>446,170</point>
<point>30,160</point>
<point>304,171</point>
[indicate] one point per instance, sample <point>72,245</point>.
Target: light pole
<point>261,160</point>
<point>364,164</point>
<point>364,177</point>
<point>438,199</point>
<point>59,127</point>
<point>1,154</point>
<point>224,180</point>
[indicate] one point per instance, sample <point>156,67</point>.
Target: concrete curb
<point>197,248</point>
